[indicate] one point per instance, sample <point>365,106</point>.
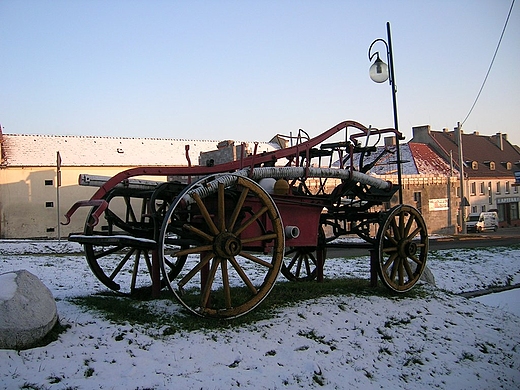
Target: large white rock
<point>27,310</point>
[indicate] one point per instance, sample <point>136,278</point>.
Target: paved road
<point>502,237</point>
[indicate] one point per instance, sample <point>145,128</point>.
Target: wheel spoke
<point>401,271</point>
<point>395,267</point>
<point>409,224</point>
<point>194,250</point>
<point>221,208</point>
<point>209,282</point>
<point>298,266</point>
<point>198,232</point>
<point>121,264</point>
<point>395,229</point>
<point>401,225</point>
<point>416,260</point>
<point>225,283</point>
<point>408,269</point>
<point>243,275</point>
<point>108,252</point>
<point>146,256</point>
<point>389,262</point>
<point>414,233</point>
<point>390,237</point>
<point>205,213</point>
<point>253,218</point>
<point>307,264</point>
<point>389,249</point>
<point>264,237</point>
<point>255,259</point>
<point>238,208</point>
<point>135,269</point>
<point>196,269</point>
<point>293,261</point>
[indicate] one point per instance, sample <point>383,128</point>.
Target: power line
<point>490,65</point>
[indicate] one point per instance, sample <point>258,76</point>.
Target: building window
<point>507,187</point>
<point>499,188</point>
<point>417,199</point>
<point>515,189</point>
<point>49,204</point>
<point>474,209</point>
<point>483,208</point>
<point>491,165</point>
<point>473,188</point>
<point>482,188</point>
<point>509,166</point>
<point>49,182</point>
<point>514,211</point>
<point>474,165</point>
<point>490,193</point>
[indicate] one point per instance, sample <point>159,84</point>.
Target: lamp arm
<point>370,56</point>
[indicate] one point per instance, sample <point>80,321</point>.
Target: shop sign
<point>438,204</point>
<point>510,199</point>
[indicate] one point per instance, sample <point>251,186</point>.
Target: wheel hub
<point>407,248</point>
<point>226,245</point>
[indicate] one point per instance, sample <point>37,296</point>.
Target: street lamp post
<point>379,73</point>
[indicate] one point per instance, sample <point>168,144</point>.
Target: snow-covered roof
<point>41,150</point>
<point>417,159</point>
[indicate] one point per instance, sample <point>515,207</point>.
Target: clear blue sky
<point>246,70</point>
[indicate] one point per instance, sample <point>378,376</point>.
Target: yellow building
<point>32,203</point>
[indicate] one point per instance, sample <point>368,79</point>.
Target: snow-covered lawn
<point>440,340</point>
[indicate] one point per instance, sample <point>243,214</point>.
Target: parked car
<point>482,222</point>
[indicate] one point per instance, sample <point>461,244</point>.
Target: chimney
<point>390,141</point>
<point>421,134</point>
<point>456,134</point>
<point>499,141</point>
<point>445,130</point>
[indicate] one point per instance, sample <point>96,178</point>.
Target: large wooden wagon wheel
<point>119,249</point>
<point>234,242</point>
<point>403,248</point>
<point>302,263</point>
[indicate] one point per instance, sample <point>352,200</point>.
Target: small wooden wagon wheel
<point>119,249</point>
<point>117,260</point>
<point>403,248</point>
<point>302,263</point>
<point>234,242</point>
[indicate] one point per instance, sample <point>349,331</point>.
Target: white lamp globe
<point>379,71</point>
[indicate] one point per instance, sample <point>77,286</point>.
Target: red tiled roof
<point>483,150</point>
<point>428,162</point>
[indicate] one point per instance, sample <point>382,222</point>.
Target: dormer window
<point>508,165</point>
<point>492,165</point>
<point>474,165</point>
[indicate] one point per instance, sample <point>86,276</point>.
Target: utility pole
<point>58,185</point>
<point>462,213</point>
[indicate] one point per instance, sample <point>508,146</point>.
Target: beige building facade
<point>32,199</point>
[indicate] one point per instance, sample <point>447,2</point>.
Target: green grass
<point>120,309</point>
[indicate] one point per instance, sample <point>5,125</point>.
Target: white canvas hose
<point>205,189</point>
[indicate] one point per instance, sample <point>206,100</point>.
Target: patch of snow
<point>438,340</point>
<point>7,286</point>
<point>506,300</point>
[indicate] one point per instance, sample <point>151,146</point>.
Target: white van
<point>483,221</point>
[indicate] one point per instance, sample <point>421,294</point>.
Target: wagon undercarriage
<point>218,239</point>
